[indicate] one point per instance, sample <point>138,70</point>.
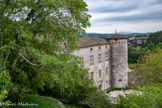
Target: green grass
<point>71,106</point>
<point>42,102</point>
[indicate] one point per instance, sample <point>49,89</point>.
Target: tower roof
<point>117,36</point>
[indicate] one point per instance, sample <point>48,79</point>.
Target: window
<point>106,56</point>
<point>100,73</point>
<point>100,87</point>
<point>91,49</point>
<point>92,75</point>
<point>82,61</point>
<point>106,46</point>
<point>99,48</point>
<point>91,59</point>
<point>99,58</point>
<point>107,71</point>
<point>120,80</point>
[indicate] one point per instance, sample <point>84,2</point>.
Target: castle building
<point>106,60</point>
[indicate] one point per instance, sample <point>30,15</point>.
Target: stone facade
<point>119,63</point>
<point>106,60</point>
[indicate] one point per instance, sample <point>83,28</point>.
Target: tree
<point>98,100</point>
<point>73,84</point>
<point>37,37</point>
<point>141,35</point>
<point>5,82</point>
<point>155,38</point>
<point>150,97</point>
<point>134,54</point>
<point>148,69</point>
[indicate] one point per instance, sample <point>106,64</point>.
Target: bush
<point>98,100</point>
<point>151,97</point>
<point>123,88</point>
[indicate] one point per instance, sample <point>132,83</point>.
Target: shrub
<point>98,100</point>
<point>123,88</point>
<point>151,97</point>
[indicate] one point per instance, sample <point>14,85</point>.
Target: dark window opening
<point>120,80</point>
<point>100,87</point>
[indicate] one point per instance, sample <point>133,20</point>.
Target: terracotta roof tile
<point>91,41</point>
<point>117,36</point>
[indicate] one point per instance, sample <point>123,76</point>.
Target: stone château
<point>106,59</point>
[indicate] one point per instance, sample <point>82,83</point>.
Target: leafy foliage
<point>155,38</point>
<point>5,82</point>
<point>72,85</point>
<point>134,54</point>
<point>98,100</point>
<point>151,97</point>
<point>148,69</point>
<point>37,37</point>
<point>141,35</point>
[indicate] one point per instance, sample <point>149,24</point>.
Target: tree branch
<point>28,60</point>
<point>4,47</point>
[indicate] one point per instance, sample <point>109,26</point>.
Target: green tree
<point>155,38</point>
<point>148,69</point>
<point>134,54</point>
<point>5,82</point>
<point>98,100</point>
<point>37,37</point>
<point>150,97</point>
<point>141,35</point>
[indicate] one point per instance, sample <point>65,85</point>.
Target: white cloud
<point>126,15</point>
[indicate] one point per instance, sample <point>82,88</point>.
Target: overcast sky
<point>125,15</point>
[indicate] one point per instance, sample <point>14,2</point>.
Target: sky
<point>125,15</point>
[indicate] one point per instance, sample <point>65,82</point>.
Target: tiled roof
<point>117,36</point>
<point>91,41</point>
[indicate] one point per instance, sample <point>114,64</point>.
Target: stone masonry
<point>106,59</point>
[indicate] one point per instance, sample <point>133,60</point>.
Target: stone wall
<point>119,64</point>
<point>104,80</point>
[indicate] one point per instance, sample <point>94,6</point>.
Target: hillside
<point>104,35</point>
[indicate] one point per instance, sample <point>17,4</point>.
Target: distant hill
<point>104,35</point>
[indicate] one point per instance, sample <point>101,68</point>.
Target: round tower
<point>119,60</point>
